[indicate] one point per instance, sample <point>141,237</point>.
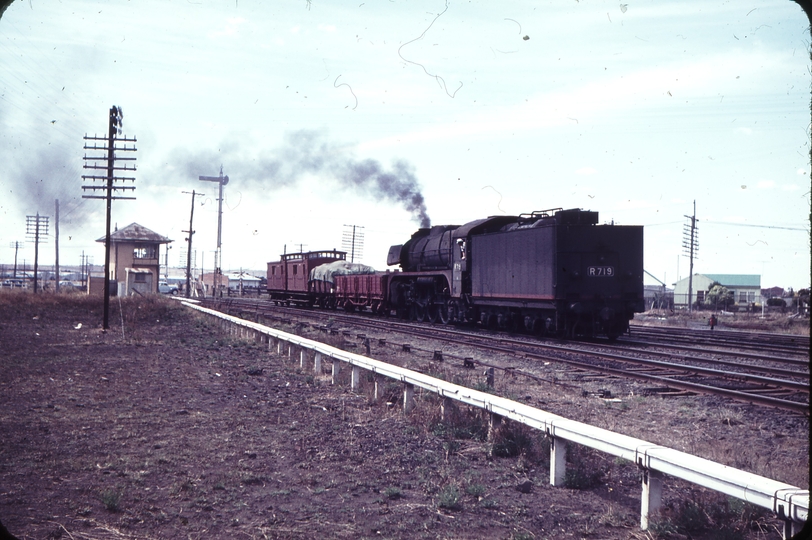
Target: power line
<point>754,225</point>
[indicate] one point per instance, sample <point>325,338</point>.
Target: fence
<point>788,502</point>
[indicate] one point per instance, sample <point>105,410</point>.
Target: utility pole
<point>353,241</point>
<point>87,266</point>
<point>218,256</point>
<point>94,162</point>
<point>690,244</point>
<point>202,273</point>
<point>189,245</point>
<point>16,245</point>
<point>36,227</point>
<point>56,242</point>
<point>166,266</point>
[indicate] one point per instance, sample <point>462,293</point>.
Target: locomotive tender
<point>551,272</point>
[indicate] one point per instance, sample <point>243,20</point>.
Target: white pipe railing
<point>788,502</point>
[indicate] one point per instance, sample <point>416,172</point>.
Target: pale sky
<point>323,113</point>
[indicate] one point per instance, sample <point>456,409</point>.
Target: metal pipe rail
<point>789,503</point>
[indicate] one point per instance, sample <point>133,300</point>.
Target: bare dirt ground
<point>164,427</point>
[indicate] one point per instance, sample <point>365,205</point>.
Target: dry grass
<point>781,323</point>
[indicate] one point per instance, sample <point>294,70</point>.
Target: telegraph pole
<point>218,255</point>
<point>690,244</point>
<point>35,227</point>
<point>93,162</point>
<point>189,245</point>
<point>16,245</point>
<point>166,266</point>
<point>353,241</point>
<point>56,242</point>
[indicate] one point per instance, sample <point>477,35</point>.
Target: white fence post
<point>336,370</point>
<point>317,363</point>
<point>494,421</point>
<point>355,380</point>
<point>652,496</point>
<point>558,461</point>
<point>408,398</point>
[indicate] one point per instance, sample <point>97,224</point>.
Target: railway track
<point>744,374</point>
<point>759,341</point>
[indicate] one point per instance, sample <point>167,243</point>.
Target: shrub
<point>512,439</point>
<point>111,499</point>
<point>449,498</point>
<point>475,490</point>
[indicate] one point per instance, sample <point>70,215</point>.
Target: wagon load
<point>327,272</point>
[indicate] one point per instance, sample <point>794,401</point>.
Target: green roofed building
<point>746,288</point>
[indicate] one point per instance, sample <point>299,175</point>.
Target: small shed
<point>135,259</point>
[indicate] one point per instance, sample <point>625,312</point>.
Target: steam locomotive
<point>552,272</point>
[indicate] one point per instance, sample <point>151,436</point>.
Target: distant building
<point>135,259</point>
<point>237,280</point>
<point>773,292</point>
<point>658,297</point>
<point>746,288</point>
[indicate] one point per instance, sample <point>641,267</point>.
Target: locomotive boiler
<point>549,272</point>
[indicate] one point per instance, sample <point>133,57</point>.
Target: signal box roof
<point>136,233</point>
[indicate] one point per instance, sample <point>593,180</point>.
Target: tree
<point>719,296</point>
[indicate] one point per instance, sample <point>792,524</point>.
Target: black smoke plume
<point>49,173</point>
<point>309,152</point>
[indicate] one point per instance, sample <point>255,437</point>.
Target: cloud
<point>586,171</point>
<point>594,102</point>
<point>231,28</point>
<point>765,184</point>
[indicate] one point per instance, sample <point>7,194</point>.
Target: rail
<point>789,503</point>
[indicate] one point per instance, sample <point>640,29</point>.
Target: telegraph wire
<point>755,225</point>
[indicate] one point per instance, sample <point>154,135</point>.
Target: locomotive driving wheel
<point>442,312</point>
<point>418,312</point>
<point>432,313</point>
<point>438,311</point>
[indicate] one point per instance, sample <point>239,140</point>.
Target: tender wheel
<point>539,327</point>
